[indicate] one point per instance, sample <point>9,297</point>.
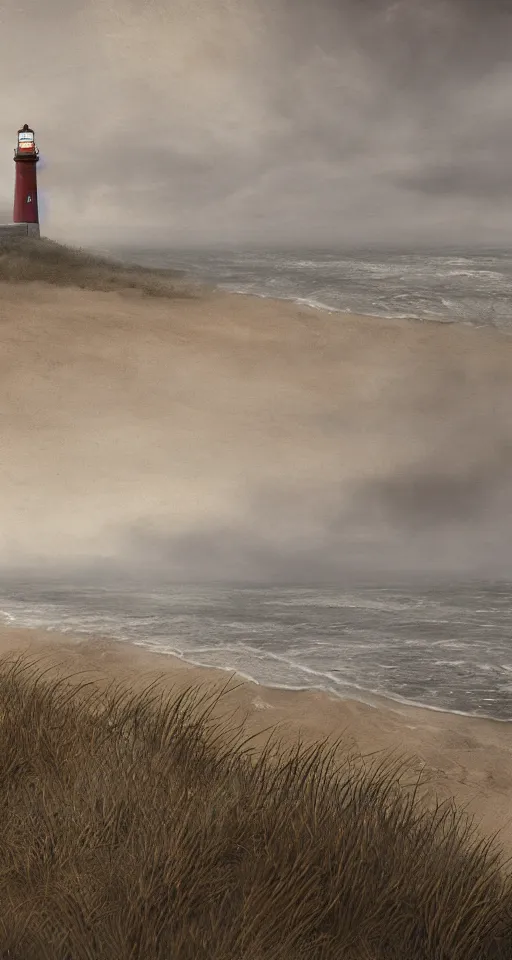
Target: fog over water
<point>219,438</point>
<point>257,120</point>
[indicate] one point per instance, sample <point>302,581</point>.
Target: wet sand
<point>466,758</point>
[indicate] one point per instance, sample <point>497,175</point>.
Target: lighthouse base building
<point>8,230</point>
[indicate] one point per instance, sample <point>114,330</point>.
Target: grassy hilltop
<point>29,259</point>
<point>136,826</point>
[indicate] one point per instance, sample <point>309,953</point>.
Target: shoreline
<point>467,759</point>
<point>350,690</point>
<point>444,312</point>
<point>323,308</point>
<point>326,312</point>
<point>370,698</point>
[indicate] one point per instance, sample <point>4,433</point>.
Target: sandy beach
<point>464,758</point>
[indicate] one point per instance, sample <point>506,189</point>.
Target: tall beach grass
<point>140,825</point>
<point>31,259</point>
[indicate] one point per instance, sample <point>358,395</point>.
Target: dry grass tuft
<point>136,826</point>
<point>29,259</point>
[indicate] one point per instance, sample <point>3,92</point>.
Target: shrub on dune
<point>29,259</point>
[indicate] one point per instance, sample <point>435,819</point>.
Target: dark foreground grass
<point>29,259</point>
<point>134,826</point>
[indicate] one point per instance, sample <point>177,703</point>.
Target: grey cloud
<point>191,120</point>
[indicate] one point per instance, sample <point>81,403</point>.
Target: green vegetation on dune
<point>137,826</point>
<point>29,259</point>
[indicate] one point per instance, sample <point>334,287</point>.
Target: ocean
<point>453,287</point>
<point>446,645</point>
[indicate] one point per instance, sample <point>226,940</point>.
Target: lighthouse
<point>26,156</point>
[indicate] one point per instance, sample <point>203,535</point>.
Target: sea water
<point>445,646</point>
<point>452,286</point>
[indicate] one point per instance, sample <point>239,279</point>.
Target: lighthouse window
<point>26,136</point>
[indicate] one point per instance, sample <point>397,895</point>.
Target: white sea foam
<point>357,662</point>
<point>471,289</point>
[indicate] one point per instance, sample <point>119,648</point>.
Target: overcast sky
<point>263,120</point>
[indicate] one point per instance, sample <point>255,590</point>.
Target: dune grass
<point>138,826</point>
<point>29,259</point>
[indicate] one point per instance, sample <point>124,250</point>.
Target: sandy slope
<point>469,759</point>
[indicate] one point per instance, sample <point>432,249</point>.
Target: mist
<point>231,438</point>
<point>213,121</point>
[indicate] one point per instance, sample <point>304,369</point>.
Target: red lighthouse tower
<point>26,157</point>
